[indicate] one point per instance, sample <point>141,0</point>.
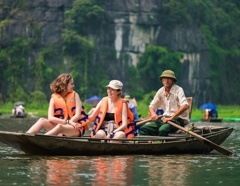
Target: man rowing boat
<point>172,100</point>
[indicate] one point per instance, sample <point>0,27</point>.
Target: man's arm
<point>176,114</point>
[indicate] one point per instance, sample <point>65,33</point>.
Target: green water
<point>167,170</point>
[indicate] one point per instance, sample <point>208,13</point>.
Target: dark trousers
<point>158,128</point>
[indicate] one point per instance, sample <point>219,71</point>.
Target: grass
<point>40,111</point>
<point>224,111</point>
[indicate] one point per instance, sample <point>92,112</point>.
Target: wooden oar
<point>206,141</point>
<point>140,123</point>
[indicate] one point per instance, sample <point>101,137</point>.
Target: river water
<point>16,168</point>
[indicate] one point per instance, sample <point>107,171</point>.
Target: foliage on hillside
<point>219,21</point>
<point>155,60</point>
<point>77,53</point>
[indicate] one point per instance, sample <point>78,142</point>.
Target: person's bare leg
<point>67,130</point>
<point>100,134</point>
<point>42,123</point>
<point>118,135</point>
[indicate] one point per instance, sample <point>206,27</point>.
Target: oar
<point>206,141</point>
<point>140,123</point>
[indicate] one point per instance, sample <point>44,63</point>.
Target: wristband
<point>112,134</point>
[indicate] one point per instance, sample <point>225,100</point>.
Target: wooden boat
<point>15,116</point>
<point>40,144</point>
<point>213,120</point>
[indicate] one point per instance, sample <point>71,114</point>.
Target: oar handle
<point>140,123</point>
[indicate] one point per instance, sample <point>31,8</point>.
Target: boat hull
<point>71,146</point>
<point>213,120</point>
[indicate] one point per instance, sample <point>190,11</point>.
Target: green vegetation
<point>224,111</point>
<point>228,111</point>
<point>218,21</point>
<point>154,60</point>
<point>87,52</point>
<point>86,18</point>
<point>37,109</point>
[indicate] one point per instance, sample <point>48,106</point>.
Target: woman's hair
<point>60,84</point>
<point>119,92</point>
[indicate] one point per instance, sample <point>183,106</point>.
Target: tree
<point>153,62</point>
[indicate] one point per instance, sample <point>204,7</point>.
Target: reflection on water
<point>54,171</point>
<point>111,170</point>
<point>172,171</point>
<point>116,170</point>
<point>211,169</point>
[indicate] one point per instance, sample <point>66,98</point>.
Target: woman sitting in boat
<point>113,118</point>
<point>65,110</point>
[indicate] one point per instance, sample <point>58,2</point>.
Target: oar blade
<point>219,148</point>
<point>206,141</point>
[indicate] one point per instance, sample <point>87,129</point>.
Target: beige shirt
<point>171,103</point>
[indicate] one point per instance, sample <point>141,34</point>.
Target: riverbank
<point>227,112</point>
<point>227,119</point>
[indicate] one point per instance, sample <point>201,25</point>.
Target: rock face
<point>137,24</point>
<point>47,14</point>
<point>134,23</point>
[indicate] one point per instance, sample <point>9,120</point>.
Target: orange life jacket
<point>130,131</point>
<point>66,109</point>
